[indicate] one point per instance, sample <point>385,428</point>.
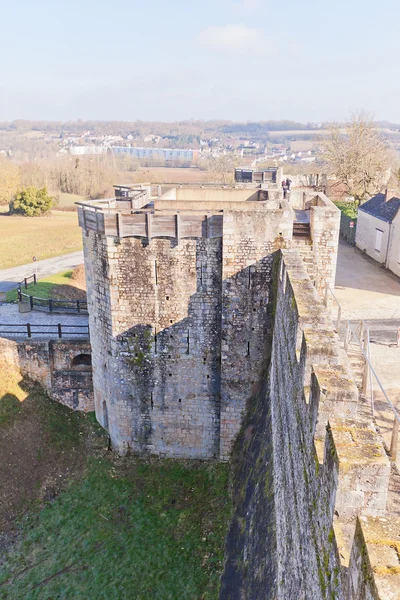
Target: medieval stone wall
<point>177,330</point>
<point>307,461</point>
<point>51,363</point>
<point>248,244</point>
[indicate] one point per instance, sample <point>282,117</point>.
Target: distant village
<point>154,147</point>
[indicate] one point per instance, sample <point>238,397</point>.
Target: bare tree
<point>222,168</point>
<point>9,180</point>
<point>358,158</point>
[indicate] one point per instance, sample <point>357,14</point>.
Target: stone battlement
<point>328,465</point>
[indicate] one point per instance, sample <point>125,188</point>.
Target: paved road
<point>364,289</point>
<point>9,314</point>
<point>10,277</point>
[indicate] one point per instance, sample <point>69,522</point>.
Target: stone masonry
<point>179,311</point>
<point>310,473</point>
<point>62,367</point>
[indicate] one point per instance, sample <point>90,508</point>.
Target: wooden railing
<point>148,224</point>
<point>51,305</point>
<point>26,281</point>
<point>57,330</point>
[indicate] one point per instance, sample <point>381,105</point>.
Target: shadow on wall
<point>181,390</point>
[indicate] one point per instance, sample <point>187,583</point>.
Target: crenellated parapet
<point>328,467</point>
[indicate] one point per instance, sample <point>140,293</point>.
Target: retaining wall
<point>51,363</point>
<point>307,461</point>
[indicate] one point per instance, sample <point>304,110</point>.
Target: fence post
<point>339,318</point>
<point>395,439</point>
<point>59,330</point>
<point>78,306</point>
<point>50,305</point>
<point>365,375</point>
<point>347,337</point>
<point>25,283</point>
<point>31,302</point>
<point>19,295</point>
<point>34,279</point>
<point>28,329</point>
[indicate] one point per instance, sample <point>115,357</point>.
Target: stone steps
<point>303,245</point>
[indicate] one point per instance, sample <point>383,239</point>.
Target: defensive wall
<point>63,368</point>
<point>179,309</point>
<point>310,472</point>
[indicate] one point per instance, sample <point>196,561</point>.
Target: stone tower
<point>179,304</point>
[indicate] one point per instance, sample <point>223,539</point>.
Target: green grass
<point>348,208</point>
<point>21,238</point>
<point>43,288</point>
<point>115,529</point>
<point>128,530</point>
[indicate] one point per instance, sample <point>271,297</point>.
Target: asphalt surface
<point>9,278</point>
<point>367,291</point>
<point>43,324</point>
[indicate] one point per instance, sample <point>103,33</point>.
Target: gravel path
<point>10,277</point>
<point>9,314</point>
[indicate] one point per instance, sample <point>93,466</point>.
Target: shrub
<point>31,202</point>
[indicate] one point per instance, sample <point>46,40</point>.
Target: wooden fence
<point>55,330</point>
<point>50,305</point>
<point>149,225</point>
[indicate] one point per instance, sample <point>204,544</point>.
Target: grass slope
<point>96,526</point>
<point>127,530</point>
<point>46,288</point>
<point>21,238</point>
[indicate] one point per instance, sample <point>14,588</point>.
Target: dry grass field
<point>168,175</point>
<point>21,238</point>
<point>67,201</point>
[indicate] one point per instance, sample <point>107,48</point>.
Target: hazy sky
<point>307,60</point>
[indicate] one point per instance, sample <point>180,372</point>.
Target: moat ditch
<point>78,522</point>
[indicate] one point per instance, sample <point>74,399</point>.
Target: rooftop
<point>381,209</point>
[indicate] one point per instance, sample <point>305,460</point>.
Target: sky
<point>242,60</point>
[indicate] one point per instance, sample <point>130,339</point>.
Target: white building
<point>378,230</point>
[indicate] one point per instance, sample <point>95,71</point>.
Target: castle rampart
<point>179,305</point>
<point>62,367</point>
<point>308,462</point>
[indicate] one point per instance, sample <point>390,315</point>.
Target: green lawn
<point>92,526</point>
<point>43,288</point>
<point>21,238</point>
<point>128,530</point>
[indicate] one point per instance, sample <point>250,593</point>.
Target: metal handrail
<point>371,370</point>
<point>339,316</point>
<point>394,409</point>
